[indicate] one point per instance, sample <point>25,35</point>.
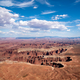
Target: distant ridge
<point>46,37</point>
<point>3,38</point>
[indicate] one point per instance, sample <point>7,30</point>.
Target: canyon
<point>49,55</point>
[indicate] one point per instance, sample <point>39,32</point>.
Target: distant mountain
<point>36,37</point>
<point>51,36</point>
<point>25,37</point>
<point>46,37</point>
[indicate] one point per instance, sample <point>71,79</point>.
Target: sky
<point>38,18</point>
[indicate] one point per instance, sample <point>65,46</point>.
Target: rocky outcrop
<point>40,60</point>
<point>35,57</point>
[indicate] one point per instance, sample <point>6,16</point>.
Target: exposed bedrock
<point>36,57</point>
<point>11,52</point>
<point>40,60</point>
<point>38,53</point>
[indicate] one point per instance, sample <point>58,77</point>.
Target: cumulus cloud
<point>23,29</point>
<point>23,23</point>
<point>48,12</point>
<point>41,25</point>
<point>15,15</point>
<point>46,25</point>
<point>12,20</point>
<point>9,3</point>
<point>59,17</point>
<point>6,17</point>
<point>11,32</point>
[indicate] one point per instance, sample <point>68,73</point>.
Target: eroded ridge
<point>49,61</point>
<point>11,52</point>
<point>50,58</point>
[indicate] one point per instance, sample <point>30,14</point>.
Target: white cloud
<point>78,25</point>
<point>79,28</point>
<point>23,29</point>
<point>46,25</point>
<point>68,30</point>
<point>12,20</point>
<point>1,32</point>
<point>6,17</point>
<point>6,3</point>
<point>45,2</point>
<point>32,17</point>
<point>59,17</point>
<point>48,4</point>
<point>77,21</point>
<point>23,23</point>
<point>40,25</point>
<point>15,15</point>
<point>77,1</point>
<point>22,16</point>
<point>48,12</point>
<point>35,7</point>
<point>9,3</point>
<point>41,1</point>
<point>11,32</point>
<point>25,4</point>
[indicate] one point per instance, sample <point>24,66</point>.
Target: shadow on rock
<point>69,59</point>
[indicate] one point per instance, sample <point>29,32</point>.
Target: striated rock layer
<point>36,57</point>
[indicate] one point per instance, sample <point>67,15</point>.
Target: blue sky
<point>38,18</point>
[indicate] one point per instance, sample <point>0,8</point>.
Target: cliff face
<point>35,57</point>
